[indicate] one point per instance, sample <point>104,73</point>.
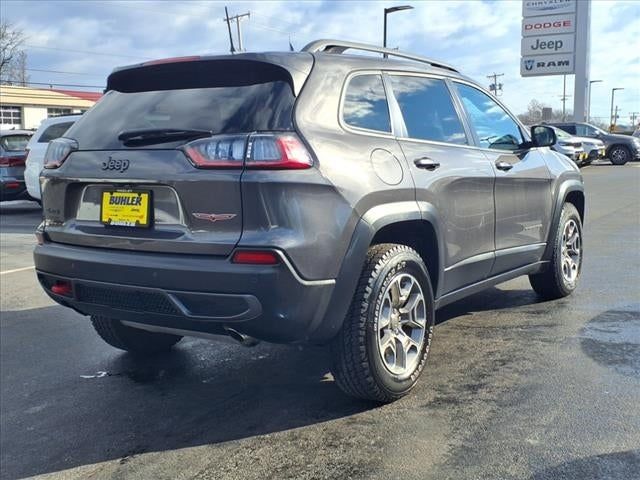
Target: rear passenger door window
<point>365,104</point>
<point>427,109</point>
<point>493,126</point>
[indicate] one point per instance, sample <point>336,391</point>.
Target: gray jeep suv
<point>311,197</point>
<point>620,149</point>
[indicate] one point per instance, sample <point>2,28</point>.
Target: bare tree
<point>17,70</point>
<point>534,115</point>
<point>11,40</point>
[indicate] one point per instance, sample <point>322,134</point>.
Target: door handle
<point>504,166</point>
<point>426,163</point>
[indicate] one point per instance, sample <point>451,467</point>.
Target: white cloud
<point>478,37</point>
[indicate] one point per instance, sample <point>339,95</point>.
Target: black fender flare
<point>366,228</point>
<point>562,192</point>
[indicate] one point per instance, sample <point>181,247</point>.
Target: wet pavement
<point>515,388</point>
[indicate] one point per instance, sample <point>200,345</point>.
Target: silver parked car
<point>569,146</point>
<point>589,149</point>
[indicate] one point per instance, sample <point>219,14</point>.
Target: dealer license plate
<point>126,208</point>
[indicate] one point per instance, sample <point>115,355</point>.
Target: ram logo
<point>528,64</point>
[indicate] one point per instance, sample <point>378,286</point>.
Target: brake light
<point>277,151</point>
<point>58,151</point>
<point>12,161</point>
<point>255,257</point>
<point>171,60</point>
<point>281,151</point>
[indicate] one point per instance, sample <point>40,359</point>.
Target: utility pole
<point>231,47</point>
<point>495,87</point>
<point>237,19</point>
<point>611,118</point>
<point>564,97</point>
<point>632,117</point>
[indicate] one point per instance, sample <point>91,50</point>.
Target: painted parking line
<point>15,270</point>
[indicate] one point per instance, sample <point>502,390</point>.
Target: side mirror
<point>542,136</point>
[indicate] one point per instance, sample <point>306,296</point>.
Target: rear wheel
<point>619,155</point>
<point>133,340</point>
<point>561,277</point>
<point>384,341</point>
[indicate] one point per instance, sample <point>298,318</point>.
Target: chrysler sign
<point>534,8</point>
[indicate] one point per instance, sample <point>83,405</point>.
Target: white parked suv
<point>50,129</point>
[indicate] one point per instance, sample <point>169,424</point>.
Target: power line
<point>63,72</point>
<point>87,52</point>
<point>57,84</point>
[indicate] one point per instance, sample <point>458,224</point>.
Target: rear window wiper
<point>148,136</point>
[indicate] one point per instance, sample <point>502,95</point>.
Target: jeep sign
<point>548,25</point>
<point>547,65</point>
<point>547,44</point>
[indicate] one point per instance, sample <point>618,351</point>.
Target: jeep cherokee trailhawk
<point>311,197</point>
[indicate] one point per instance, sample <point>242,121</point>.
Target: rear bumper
<point>188,292</point>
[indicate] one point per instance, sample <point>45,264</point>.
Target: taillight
<point>58,151</point>
<point>281,151</point>
<point>12,161</point>
<point>277,151</point>
<point>255,257</point>
<point>221,151</point>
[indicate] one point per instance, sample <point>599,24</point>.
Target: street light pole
<point>613,93</point>
<point>589,98</point>
<point>386,12</point>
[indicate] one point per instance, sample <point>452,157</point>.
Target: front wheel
<point>619,155</point>
<point>561,277</point>
<point>383,344</point>
<point>133,340</point>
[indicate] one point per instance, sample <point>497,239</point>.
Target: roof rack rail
<point>339,46</point>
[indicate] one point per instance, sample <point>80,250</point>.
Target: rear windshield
<point>240,99</point>
<point>14,143</point>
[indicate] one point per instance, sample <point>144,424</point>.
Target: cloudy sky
<point>79,42</point>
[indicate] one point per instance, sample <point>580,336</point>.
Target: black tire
<point>132,340</point>
<point>619,155</point>
<point>551,283</point>
<point>358,366</point>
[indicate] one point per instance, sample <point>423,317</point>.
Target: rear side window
<point>365,104</point>
<point>427,109</point>
<point>569,128</point>
<point>54,131</point>
<point>14,143</point>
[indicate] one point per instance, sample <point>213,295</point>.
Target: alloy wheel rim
<point>618,154</point>
<point>571,251</point>
<point>401,324</point>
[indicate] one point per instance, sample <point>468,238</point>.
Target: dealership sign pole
<point>555,41</point>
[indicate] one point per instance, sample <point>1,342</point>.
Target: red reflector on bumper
<point>62,288</point>
<point>255,257</point>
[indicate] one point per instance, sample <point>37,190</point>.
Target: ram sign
<point>547,65</point>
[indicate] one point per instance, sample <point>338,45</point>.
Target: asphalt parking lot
<point>515,388</point>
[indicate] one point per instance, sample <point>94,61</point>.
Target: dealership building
<point>24,107</point>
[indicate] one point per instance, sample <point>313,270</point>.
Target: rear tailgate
<point>191,210</point>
